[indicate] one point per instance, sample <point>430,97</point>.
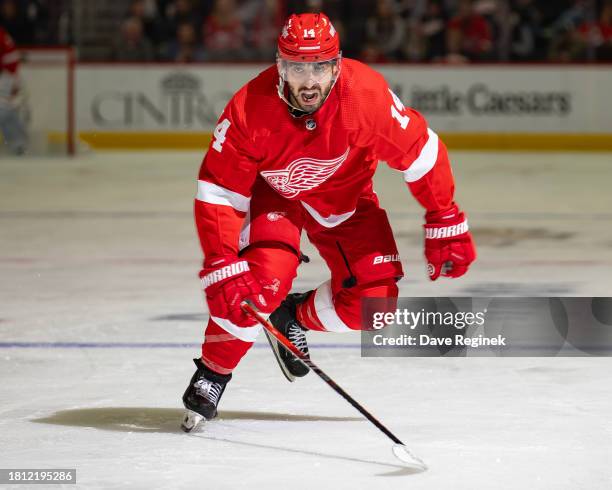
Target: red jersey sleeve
<point>402,138</point>
<point>225,181</point>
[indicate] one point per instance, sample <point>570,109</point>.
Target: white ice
<point>101,313</point>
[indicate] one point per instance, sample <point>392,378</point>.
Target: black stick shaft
<point>252,311</point>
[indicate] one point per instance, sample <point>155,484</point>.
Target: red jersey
<point>325,160</point>
<point>9,57</point>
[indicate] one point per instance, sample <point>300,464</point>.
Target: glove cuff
<point>448,223</point>
<point>443,216</point>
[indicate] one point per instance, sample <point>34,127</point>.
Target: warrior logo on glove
<point>449,247</point>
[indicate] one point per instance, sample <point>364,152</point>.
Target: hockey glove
<point>449,247</point>
<point>227,282</point>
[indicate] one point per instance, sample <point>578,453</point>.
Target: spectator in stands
<point>267,22</point>
<point>433,30</point>
<point>597,36</point>
<point>146,11</point>
<point>573,17</point>
<point>29,19</point>
<point>469,35</point>
<point>15,23</point>
<point>185,48</point>
<point>224,34</point>
<point>178,12</point>
<point>566,42</point>
<point>354,19</point>
<point>385,31</point>
<point>567,46</point>
<point>412,47</point>
<point>132,45</point>
<point>521,31</point>
<point>454,54</point>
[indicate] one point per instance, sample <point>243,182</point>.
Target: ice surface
<point>101,313</point>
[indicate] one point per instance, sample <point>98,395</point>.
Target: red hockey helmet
<point>308,37</point>
<point>308,50</point>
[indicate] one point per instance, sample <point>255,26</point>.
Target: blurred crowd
<point>447,31</point>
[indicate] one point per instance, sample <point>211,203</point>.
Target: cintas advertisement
<point>152,99</point>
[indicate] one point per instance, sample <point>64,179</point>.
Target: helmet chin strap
<point>293,110</point>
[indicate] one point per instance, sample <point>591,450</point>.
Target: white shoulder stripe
<point>215,194</point>
<point>425,161</point>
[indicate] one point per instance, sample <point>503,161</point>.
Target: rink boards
<point>472,107</point>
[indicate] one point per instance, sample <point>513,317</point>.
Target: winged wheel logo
<point>303,174</point>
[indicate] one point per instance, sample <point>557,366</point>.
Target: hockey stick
<point>399,449</point>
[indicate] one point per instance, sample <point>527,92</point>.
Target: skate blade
<point>191,421</point>
<point>275,350</point>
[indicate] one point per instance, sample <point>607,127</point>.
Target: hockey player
<point>296,149</point>
<point>11,126</point>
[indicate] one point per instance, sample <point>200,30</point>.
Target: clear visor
<point>300,71</point>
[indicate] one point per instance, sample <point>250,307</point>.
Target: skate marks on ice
<point>525,289</point>
<point>163,420</point>
<point>183,317</point>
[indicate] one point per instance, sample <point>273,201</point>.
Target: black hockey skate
<point>284,319</point>
<point>202,395</point>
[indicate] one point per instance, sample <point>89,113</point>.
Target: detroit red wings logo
<point>303,174</point>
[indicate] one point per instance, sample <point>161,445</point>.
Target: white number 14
<point>219,134</point>
<point>395,111</point>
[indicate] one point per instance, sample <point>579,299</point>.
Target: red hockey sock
<point>221,351</point>
<point>346,306</point>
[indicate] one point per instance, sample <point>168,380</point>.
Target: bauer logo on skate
<point>303,174</point>
<point>225,272</point>
<point>445,231</point>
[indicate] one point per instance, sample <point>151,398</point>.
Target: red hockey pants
<point>360,252</point>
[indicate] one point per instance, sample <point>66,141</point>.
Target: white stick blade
<point>402,453</point>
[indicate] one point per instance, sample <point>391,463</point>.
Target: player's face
<point>309,83</point>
